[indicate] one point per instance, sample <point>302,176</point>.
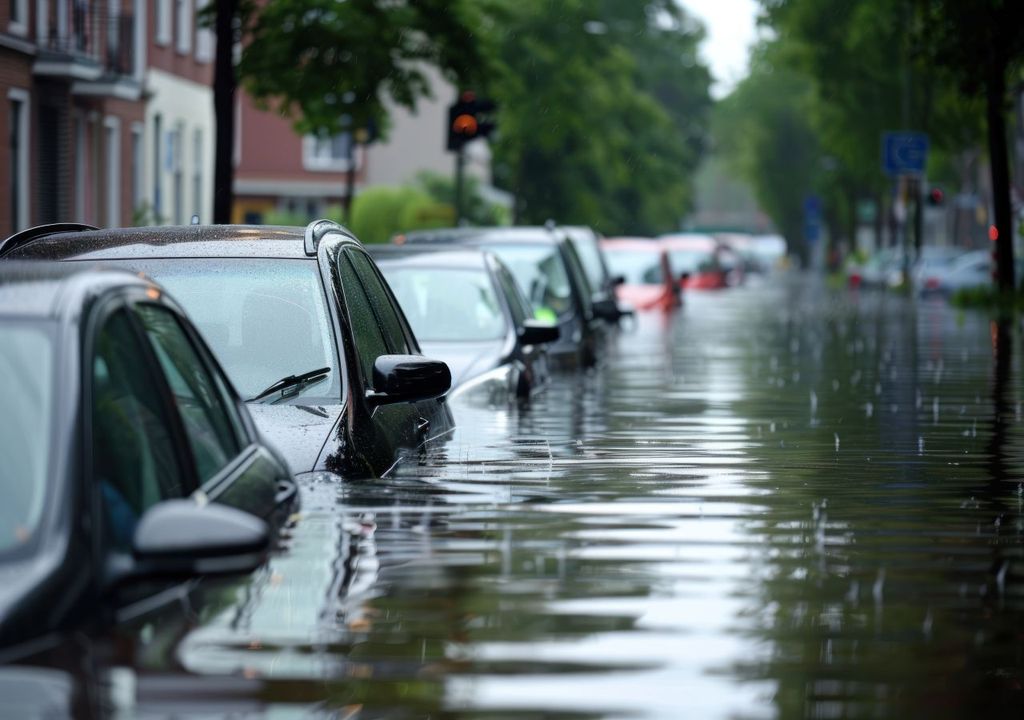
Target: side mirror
<point>178,538</point>
<point>607,309</point>
<point>538,332</point>
<point>617,280</point>
<point>407,378</point>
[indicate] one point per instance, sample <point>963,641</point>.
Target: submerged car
<point>129,462</point>
<point>302,322</point>
<point>603,282</point>
<point>467,310</point>
<point>700,258</point>
<point>547,268</point>
<point>648,280</point>
<point>933,263</point>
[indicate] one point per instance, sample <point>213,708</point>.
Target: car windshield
<point>265,319</point>
<point>691,261</point>
<point>447,304</point>
<point>637,266</point>
<point>26,386</point>
<point>540,272</point>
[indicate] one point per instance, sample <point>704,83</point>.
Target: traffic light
<point>936,197</point>
<point>468,119</point>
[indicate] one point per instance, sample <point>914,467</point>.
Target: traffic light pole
<point>460,172</point>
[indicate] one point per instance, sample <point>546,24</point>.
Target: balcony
<point>86,45</point>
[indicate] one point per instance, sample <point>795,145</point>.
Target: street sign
<point>904,153</point>
<point>812,219</point>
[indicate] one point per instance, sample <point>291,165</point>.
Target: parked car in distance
<point>549,272</point>
<point>649,283</point>
<point>302,322</point>
<point>882,269</point>
<point>933,262</point>
<point>595,264</point>
<point>972,269</point>
<point>700,257</point>
<point>130,465</point>
<point>467,310</point>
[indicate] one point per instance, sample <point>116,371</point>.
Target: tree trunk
<point>224,86</point>
<point>995,91</point>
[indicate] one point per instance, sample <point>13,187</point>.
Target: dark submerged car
<point>547,268</point>
<point>302,322</point>
<point>603,282</point>
<point>467,310</point>
<point>126,458</point>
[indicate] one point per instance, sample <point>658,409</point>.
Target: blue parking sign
<point>904,153</point>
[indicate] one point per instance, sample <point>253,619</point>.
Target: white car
<point>971,269</point>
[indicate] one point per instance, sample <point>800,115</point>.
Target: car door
<point>533,357</point>
<point>230,465</point>
<point>394,427</point>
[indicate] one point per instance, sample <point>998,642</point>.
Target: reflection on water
<point>781,503</point>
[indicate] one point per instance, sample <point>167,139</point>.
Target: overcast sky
<point>731,30</point>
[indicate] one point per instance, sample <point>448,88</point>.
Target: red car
<point>701,258</point>
<point>643,266</point>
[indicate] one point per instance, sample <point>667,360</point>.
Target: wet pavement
<point>779,502</point>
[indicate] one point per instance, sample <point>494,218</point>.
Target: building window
<point>112,141</point>
<point>18,124</point>
<point>183,26</point>
<point>18,24</point>
<point>197,174</point>
<point>175,139</point>
<point>163,22</point>
<point>158,170</point>
<point>137,170</point>
<point>204,36</point>
<point>331,153</point>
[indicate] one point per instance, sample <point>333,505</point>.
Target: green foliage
<point>990,299</point>
<point>380,212</point>
<point>476,209</point>
<point>331,65</point>
<point>601,111</point>
<point>764,132</point>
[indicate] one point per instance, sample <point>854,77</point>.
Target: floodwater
<point>782,501</point>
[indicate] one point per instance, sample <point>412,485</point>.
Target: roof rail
<point>24,237</point>
<point>315,232</point>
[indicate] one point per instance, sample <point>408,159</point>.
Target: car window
<point>519,306</point>
<point>368,339</point>
<point>26,386</point>
<point>381,303</point>
<point>636,266</point>
<point>540,272</point>
<point>580,277</point>
<point>200,401</point>
<point>264,319</point>
<point>590,256</point>
<point>134,459</point>
<point>448,304</point>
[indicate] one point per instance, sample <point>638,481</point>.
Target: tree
<point>764,133</point>
<point>583,136</point>
<point>978,42</point>
<point>333,66</point>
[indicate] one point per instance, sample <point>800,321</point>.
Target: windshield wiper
<point>292,381</point>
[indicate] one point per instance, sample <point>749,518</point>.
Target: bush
<point>989,298</point>
<point>380,212</point>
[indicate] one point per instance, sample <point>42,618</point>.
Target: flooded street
<point>779,502</point>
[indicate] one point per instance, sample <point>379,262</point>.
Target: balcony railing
<point>86,35</point>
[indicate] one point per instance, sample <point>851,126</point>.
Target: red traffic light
<point>465,125</point>
<point>993,233</point>
<point>936,196</point>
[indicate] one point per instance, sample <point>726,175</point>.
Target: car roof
<point>173,241</point>
<point>429,255</point>
<point>484,235</point>
<point>683,241</point>
<point>42,289</point>
<point>631,243</point>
